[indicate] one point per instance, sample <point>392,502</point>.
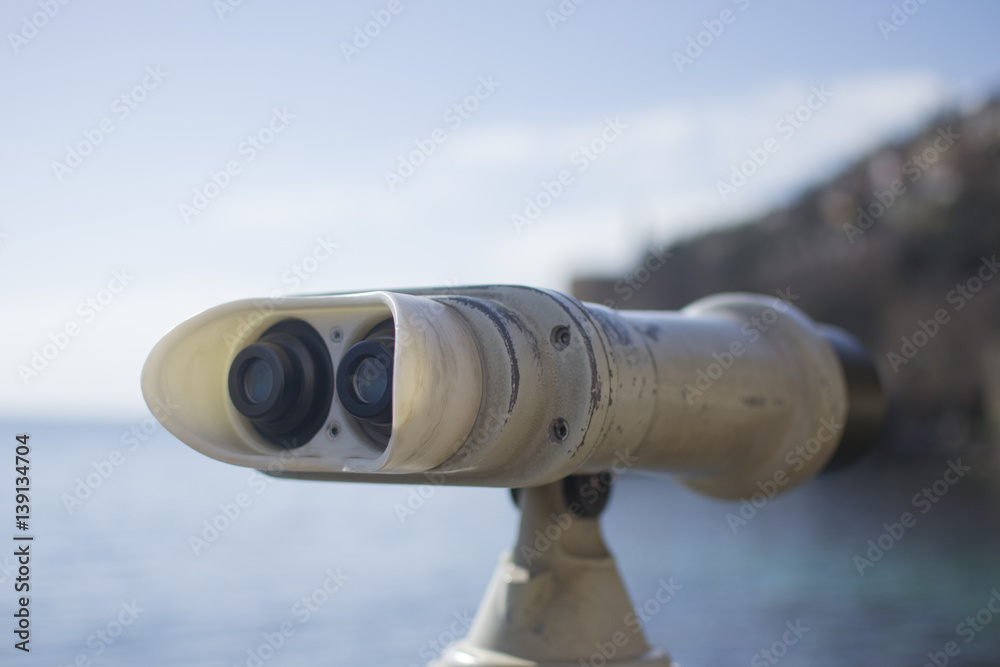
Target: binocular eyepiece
<point>364,378</point>
<point>283,383</point>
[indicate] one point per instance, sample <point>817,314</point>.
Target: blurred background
<point>159,159</point>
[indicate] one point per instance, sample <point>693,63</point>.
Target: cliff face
<point>901,249</point>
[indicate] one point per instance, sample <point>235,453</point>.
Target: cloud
<point>451,222</point>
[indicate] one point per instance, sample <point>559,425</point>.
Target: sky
<point>157,159</point>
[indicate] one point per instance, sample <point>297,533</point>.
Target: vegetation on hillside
<point>900,249</point>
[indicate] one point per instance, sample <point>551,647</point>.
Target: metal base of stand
<point>557,600</point>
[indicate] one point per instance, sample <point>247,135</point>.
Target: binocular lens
<point>371,380</point>
<point>364,381</point>
<point>258,381</point>
<point>283,383</point>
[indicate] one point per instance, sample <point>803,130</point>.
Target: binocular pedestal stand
<point>557,600</point>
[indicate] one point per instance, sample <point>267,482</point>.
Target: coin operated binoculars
<point>531,390</point>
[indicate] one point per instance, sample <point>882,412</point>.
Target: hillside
<point>905,235</point>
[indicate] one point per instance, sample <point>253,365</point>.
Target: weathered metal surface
<point>485,396</point>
